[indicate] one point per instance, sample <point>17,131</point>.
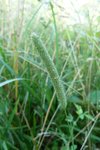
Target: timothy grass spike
<point>52,71</point>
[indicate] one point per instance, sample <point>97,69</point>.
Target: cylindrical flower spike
<point>52,71</point>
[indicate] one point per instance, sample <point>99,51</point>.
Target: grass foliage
<point>30,115</point>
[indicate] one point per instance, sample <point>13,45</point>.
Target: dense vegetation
<point>31,114</point>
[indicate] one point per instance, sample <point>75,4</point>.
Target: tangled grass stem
<point>52,71</point>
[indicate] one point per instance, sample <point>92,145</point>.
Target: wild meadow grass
<point>31,84</point>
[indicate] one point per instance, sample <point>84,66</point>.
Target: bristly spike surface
<point>52,71</point>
